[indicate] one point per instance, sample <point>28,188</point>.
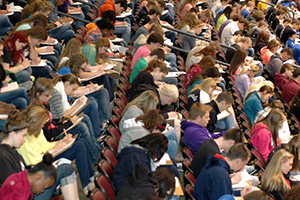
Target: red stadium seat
<point>103,183</point>
<point>110,156</point>
<point>105,168</point>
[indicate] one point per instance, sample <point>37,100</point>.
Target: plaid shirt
<point>262,114</point>
<point>92,36</point>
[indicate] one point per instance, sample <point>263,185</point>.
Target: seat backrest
<point>114,132</point>
<point>189,192</point>
<point>105,168</point>
<point>111,143</point>
<point>120,103</point>
<point>98,195</point>
<point>110,156</point>
<point>115,120</point>
<point>123,88</point>
<point>185,114</point>
<point>190,178</point>
<point>125,74</point>
<point>187,164</point>
<point>122,96</point>
<point>103,183</point>
<point>188,153</point>
<point>117,111</point>
<point>258,155</point>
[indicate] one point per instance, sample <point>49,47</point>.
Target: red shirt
<point>108,5</point>
<point>290,90</point>
<point>16,187</point>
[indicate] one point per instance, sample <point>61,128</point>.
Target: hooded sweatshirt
<point>138,185</point>
<point>280,80</point>
<point>275,64</point>
<point>130,129</point>
<point>195,135</point>
<point>214,179</point>
<point>266,55</point>
<point>262,139</point>
<point>127,160</point>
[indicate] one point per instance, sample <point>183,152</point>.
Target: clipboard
<point>178,188</point>
<point>68,146</point>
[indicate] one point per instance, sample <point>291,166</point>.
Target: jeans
<point>64,32</point>
<point>172,143</point>
<point>58,47</point>
<point>24,75</point>
<point>85,131</point>
<point>171,11</point>
<point>170,80</point>
<point>19,98</point>
<point>91,110</point>
<point>51,58</point>
<point>79,23</point>
<point>44,71</point>
<point>104,110</point>
<point>125,31</point>
<point>226,123</point>
<point>106,81</point>
<point>81,155</point>
<point>5,25</point>
<point>64,171</point>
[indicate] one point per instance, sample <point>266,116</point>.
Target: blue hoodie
<point>214,179</point>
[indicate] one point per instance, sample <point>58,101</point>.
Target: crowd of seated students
<point>221,111</point>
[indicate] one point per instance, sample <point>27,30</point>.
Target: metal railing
<point>195,36</point>
<point>73,17</point>
<point>90,4</point>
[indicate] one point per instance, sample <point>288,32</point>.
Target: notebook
<point>70,144</point>
<point>78,108</point>
<point>11,87</point>
<point>165,160</point>
<point>100,87</point>
<point>79,120</point>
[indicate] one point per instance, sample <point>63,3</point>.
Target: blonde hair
<point>252,67</point>
<point>72,48</point>
<point>273,179</point>
<point>205,85</point>
<point>191,19</point>
<point>35,115</point>
<point>198,109</point>
<point>169,90</point>
<point>101,42</point>
<point>256,87</point>
<point>146,101</point>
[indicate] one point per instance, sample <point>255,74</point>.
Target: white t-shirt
<point>228,31</point>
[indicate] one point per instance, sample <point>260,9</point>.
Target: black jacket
<point>138,185</point>
<point>211,126</point>
<point>10,162</point>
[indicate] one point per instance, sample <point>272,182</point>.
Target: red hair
<point>11,44</point>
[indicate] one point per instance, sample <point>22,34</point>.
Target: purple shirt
<point>242,84</point>
<point>64,7</point>
<point>195,135</point>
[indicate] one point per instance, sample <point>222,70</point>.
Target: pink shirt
<point>262,139</point>
<point>143,51</point>
<point>185,10</point>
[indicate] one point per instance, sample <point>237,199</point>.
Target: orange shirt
<point>108,5</point>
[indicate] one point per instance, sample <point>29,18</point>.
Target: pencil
<point>68,117</point>
<point>65,133</point>
<point>91,83</point>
